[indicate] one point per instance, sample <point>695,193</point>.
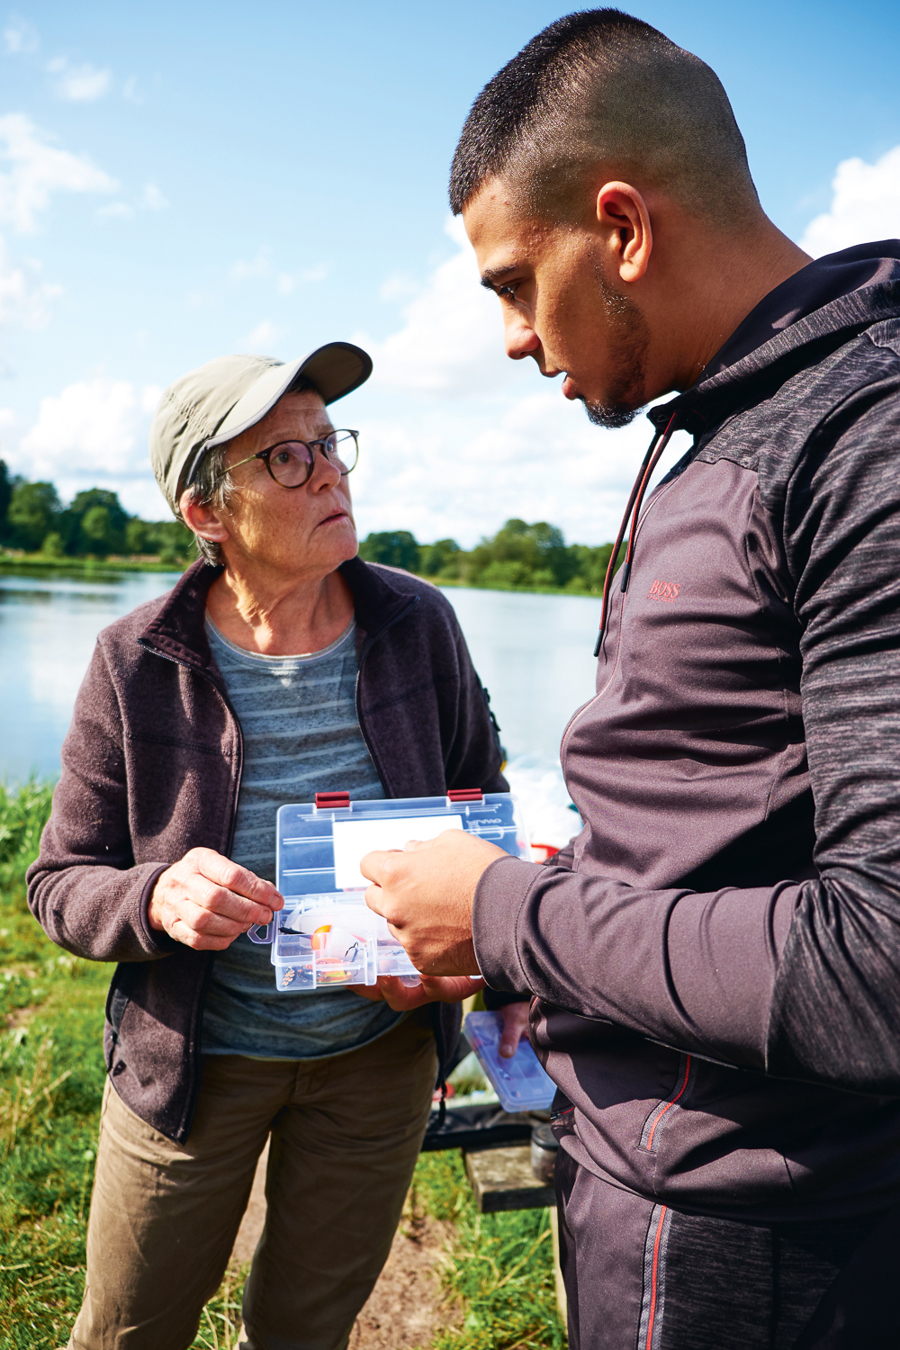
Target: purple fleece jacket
<point>151,768</point>
<point>717,955</point>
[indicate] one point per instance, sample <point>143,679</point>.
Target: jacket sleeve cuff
<point>156,941</point>
<point>499,897</point>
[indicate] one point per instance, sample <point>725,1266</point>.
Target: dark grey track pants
<point>642,1276</point>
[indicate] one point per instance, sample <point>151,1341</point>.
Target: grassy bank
<point>40,564</point>
<point>500,1266</point>
<point>51,1006</point>
<point>51,1081</point>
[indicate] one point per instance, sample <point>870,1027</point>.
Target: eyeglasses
<point>291,463</point>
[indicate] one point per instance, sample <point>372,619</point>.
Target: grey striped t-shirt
<point>301,736</point>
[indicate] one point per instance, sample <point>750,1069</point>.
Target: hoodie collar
<point>862,269</point>
<point>822,305</point>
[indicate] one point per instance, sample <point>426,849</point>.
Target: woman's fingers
<point>206,900</point>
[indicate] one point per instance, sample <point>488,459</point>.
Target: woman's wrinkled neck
<point>279,616</point>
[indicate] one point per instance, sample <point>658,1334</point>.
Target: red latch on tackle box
<point>332,801</point>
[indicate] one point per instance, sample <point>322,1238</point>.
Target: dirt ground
<point>405,1309</point>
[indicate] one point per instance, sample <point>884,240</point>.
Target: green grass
<point>500,1266</point>
<point>51,1080</point>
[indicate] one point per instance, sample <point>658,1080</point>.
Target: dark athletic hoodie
<point>717,958</point>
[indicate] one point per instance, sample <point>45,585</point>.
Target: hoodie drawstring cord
<point>632,512</point>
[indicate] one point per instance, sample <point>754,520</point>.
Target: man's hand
<point>432,989</point>
<point>446,989</point>
<point>426,894</point>
<point>206,901</point>
<point>515,1027</point>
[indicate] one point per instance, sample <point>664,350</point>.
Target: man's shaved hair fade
<point>601,87</point>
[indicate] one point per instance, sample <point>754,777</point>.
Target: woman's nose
<point>325,472</point>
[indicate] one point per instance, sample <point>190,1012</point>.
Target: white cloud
<point>94,434</point>
<point>130,91</point>
<point>451,342</point>
<point>398,288</point>
<point>20,36</point>
<point>461,468</point>
<point>287,282</point>
<point>79,84</point>
<point>151,199</point>
<point>24,297</point>
<point>865,206</point>
<point>261,340</point>
<point>36,170</point>
<point>115,211</point>
<point>249,269</point>
<point>262,268</point>
<point>93,430</point>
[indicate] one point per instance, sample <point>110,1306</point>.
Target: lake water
<point>533,652</point>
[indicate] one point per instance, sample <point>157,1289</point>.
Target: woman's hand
<point>205,901</point>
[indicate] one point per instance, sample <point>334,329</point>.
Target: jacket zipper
<point>654,500</point>
<point>194,1050</point>
<point>363,657</point>
<point>154,651</point>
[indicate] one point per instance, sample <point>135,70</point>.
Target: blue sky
<point>179,181</point>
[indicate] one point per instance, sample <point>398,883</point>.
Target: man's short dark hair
<point>601,87</point>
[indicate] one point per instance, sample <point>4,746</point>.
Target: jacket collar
<point>178,630</point>
<point>871,274</point>
<point>377,600</point>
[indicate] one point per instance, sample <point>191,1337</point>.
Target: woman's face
<point>305,531</point>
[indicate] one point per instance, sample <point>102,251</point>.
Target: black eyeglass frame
<point>321,443</point>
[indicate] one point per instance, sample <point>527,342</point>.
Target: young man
<point>716,958</point>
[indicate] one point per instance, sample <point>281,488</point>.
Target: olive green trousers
<point>345,1135</point>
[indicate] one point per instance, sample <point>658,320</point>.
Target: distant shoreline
<point>442,582</point>
<point>32,564</point>
<point>12,560</point>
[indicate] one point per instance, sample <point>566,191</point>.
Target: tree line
<point>94,524</point>
<point>518,557</point>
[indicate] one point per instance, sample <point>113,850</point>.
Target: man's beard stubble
<point>630,342</point>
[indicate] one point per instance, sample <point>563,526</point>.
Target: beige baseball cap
<point>216,402</point>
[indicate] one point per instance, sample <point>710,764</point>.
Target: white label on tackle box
<point>353,839</point>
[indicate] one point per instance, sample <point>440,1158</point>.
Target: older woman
<point>279,666</point>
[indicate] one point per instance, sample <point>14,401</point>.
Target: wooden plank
<point>501,1178</point>
<point>561,1300</point>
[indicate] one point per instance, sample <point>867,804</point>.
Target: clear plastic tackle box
<point>520,1082</point>
<point>326,934</point>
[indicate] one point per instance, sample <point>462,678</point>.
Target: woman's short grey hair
<point>215,487</point>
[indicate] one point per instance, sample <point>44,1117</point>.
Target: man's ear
<point>205,520</point>
<point>624,218</point>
